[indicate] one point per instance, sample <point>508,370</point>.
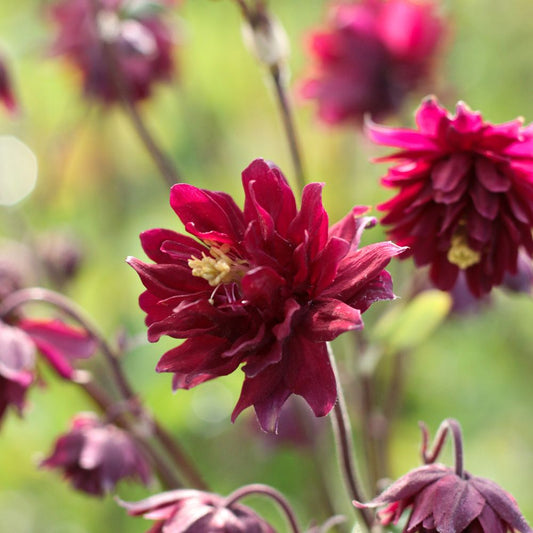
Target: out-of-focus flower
<point>370,56</point>
<point>59,343</point>
<point>18,267</point>
<point>95,456</point>
<point>266,286</point>
<point>6,90</point>
<point>61,255</point>
<point>466,194</point>
<point>522,280</point>
<point>447,500</point>
<point>17,365</point>
<point>193,511</point>
<point>140,41</point>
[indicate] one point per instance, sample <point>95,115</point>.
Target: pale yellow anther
<point>461,254</point>
<point>217,268</point>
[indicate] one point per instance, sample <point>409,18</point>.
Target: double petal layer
<point>194,511</point>
<point>370,56</point>
<point>441,501</point>
<point>264,287</point>
<point>465,199</point>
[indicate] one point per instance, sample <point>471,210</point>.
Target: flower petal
<point>209,215</point>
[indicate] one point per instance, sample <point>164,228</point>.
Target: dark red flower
<point>194,511</point>
<point>372,54</point>
<point>95,456</point>
<point>17,367</point>
<point>142,45</point>
<point>446,500</point>
<point>266,286</point>
<point>466,194</point>
<point>441,501</point>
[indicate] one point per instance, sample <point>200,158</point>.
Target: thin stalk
<point>37,294</point>
<point>288,123</point>
<point>166,475</point>
<point>449,424</point>
<point>167,169</point>
<point>259,20</point>
<point>178,454</point>
<point>343,438</point>
<point>265,490</point>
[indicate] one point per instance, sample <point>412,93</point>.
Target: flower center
<point>461,254</point>
<point>217,267</point>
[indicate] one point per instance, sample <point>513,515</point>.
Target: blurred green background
<point>96,180</point>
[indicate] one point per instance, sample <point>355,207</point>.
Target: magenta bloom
<point>142,45</point>
<point>59,344</point>
<point>17,365</point>
<point>446,500</point>
<point>466,194</point>
<point>266,286</point>
<point>370,56</point>
<point>193,511</point>
<point>95,456</point>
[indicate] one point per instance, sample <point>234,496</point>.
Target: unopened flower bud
<point>265,38</point>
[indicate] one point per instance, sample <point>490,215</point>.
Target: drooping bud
<point>265,38</point>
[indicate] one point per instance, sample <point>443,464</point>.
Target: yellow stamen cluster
<point>218,267</point>
<point>461,254</point>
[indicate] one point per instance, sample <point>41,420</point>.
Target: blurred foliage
<point>96,180</point>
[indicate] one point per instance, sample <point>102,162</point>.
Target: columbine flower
<point>266,286</point>
<point>94,456</point>
<point>141,45</point>
<point>58,343</point>
<point>466,194</point>
<point>372,54</point>
<point>194,511</point>
<point>447,500</point>
<point>17,363</point>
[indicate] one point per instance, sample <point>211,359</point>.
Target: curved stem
<point>37,294</point>
<point>166,168</point>
<point>256,17</point>
<point>165,474</point>
<point>344,441</point>
<point>450,424</point>
<point>288,123</point>
<point>265,490</point>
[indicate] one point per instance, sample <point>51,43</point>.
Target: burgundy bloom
<point>447,500</point>
<point>193,511</point>
<point>372,54</point>
<point>142,45</point>
<point>466,194</point>
<point>95,456</point>
<point>17,364</point>
<point>266,286</point>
